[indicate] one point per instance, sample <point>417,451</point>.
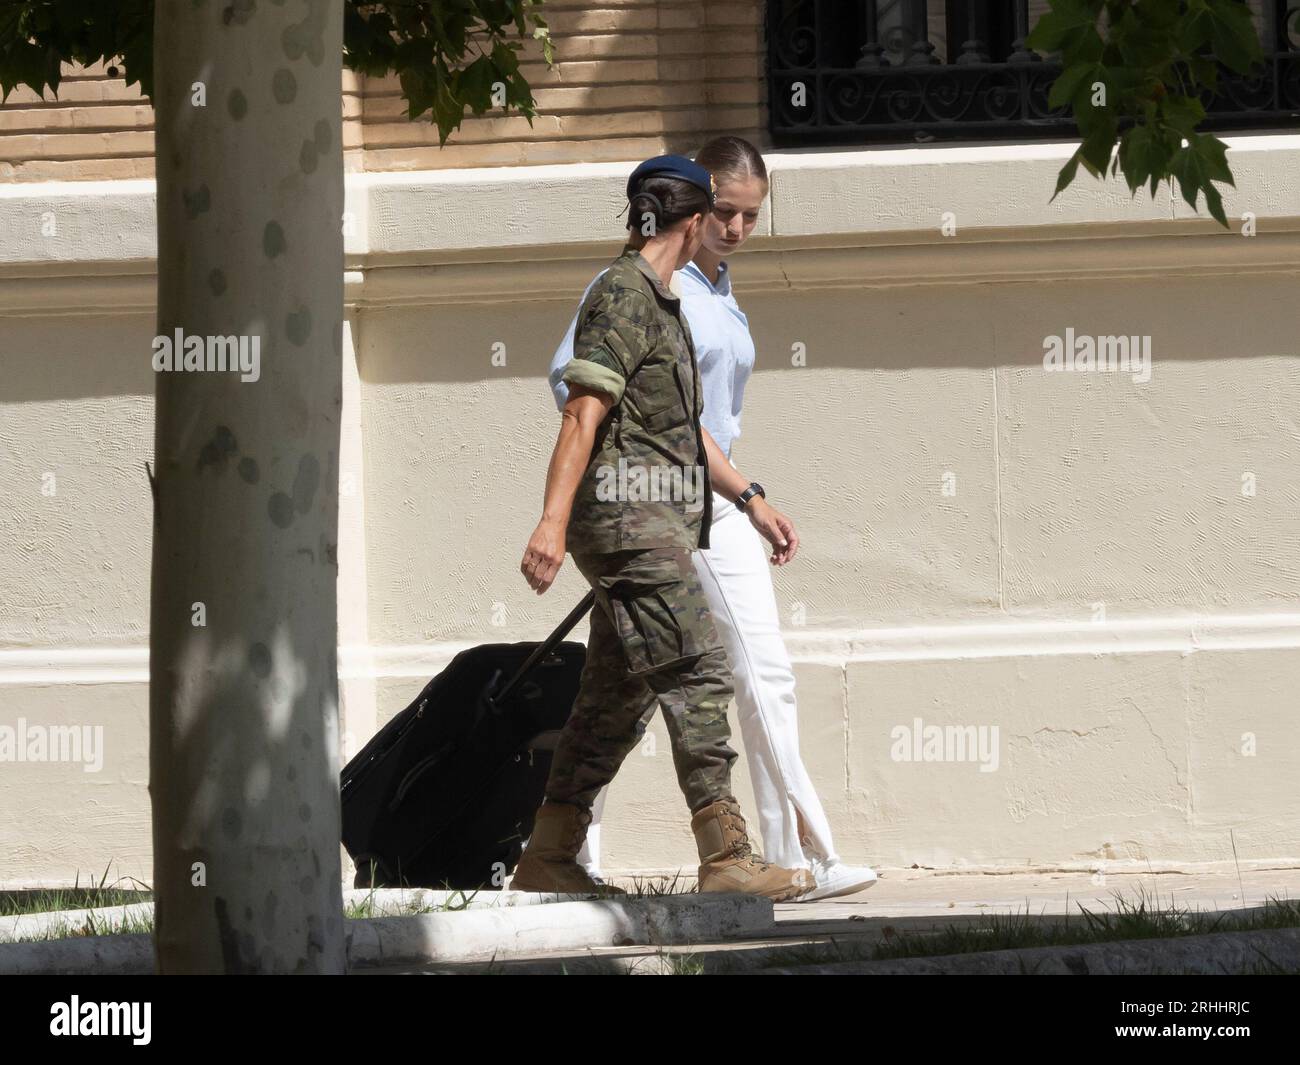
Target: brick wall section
<point>632,78</point>
<point>98,129</point>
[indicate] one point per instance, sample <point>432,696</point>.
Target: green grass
<point>99,893</point>
<point>92,926</point>
<point>1131,919</point>
<point>1268,968</point>
<point>685,965</point>
<point>95,894</point>
<point>459,900</point>
<point>1142,919</point>
<point>656,886</point>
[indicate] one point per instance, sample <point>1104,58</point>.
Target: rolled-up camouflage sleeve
<point>610,340</point>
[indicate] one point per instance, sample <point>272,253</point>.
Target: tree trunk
<point>243,700</point>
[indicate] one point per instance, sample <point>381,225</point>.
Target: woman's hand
<point>544,555</point>
<point>775,528</point>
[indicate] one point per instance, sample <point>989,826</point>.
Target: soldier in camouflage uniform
<point>628,488</point>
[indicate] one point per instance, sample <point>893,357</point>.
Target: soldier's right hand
<point>543,556</point>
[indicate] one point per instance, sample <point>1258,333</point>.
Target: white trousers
<point>737,580</point>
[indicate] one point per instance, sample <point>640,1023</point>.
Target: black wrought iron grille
<point>911,70</point>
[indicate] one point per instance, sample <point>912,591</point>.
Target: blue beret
<point>677,166</point>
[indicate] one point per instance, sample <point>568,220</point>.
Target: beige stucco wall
<point>1095,585</point>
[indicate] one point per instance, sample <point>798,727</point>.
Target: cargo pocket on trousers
<point>653,634</point>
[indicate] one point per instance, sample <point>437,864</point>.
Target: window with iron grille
<point>845,71</point>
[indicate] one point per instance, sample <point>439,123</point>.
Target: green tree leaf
<point>1159,61</point>
<point>1066,175</point>
<point>421,41</point>
<point>1065,18</point>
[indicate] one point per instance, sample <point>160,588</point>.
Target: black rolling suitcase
<point>444,794</point>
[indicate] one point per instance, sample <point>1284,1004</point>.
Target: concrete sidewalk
<point>920,893</point>
<point>921,901</point>
<point>686,932</point>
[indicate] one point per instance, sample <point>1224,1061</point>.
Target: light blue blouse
<point>723,347</point>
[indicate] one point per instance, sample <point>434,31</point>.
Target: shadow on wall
<point>69,357</point>
<point>938,327</point>
<point>66,357</point>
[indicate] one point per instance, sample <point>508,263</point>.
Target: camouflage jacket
<point>647,481</point>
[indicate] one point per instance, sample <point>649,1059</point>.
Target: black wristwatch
<point>754,489</point>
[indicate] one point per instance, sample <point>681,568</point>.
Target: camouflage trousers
<point>652,640</point>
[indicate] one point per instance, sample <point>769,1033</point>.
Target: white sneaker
<point>834,878</point>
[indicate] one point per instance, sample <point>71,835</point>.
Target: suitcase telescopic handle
<point>545,648</point>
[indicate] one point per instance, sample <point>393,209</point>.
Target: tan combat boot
<point>547,863</point>
<point>728,862</point>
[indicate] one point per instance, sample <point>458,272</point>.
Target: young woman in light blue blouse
<point>734,569</point>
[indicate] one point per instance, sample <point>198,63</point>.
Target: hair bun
<point>658,203</point>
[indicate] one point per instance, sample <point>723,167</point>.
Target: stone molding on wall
<point>1014,638</point>
<point>540,232</point>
